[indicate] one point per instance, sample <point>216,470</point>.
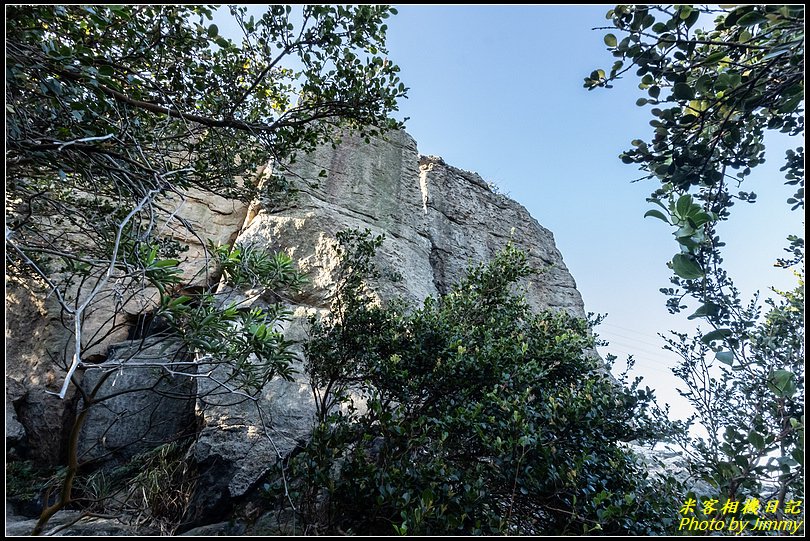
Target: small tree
<point>112,110</point>
<point>113,113</point>
<point>233,345</point>
<point>468,415</point>
<point>715,92</point>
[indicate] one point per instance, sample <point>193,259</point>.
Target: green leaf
<point>717,334</point>
<point>686,267</point>
<point>725,357</point>
<point>791,104</point>
<point>708,309</point>
<point>782,383</point>
<point>656,214</point>
<point>751,19</point>
<point>703,83</point>
<point>610,40</point>
<point>688,243</point>
<point>683,205</point>
<point>684,231</point>
<point>756,439</point>
<point>179,300</point>
<point>683,91</point>
<point>699,218</point>
<point>692,18</point>
<point>213,31</point>
<point>714,58</point>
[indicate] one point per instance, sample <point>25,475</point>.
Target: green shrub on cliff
<point>469,415</point>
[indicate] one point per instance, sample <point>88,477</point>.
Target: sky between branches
<point>498,90</point>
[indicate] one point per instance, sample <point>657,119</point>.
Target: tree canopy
<point>113,110</point>
<point>128,92</point>
<point>719,78</point>
<point>469,415</point>
<point>715,92</point>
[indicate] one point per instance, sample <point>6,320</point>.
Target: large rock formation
<point>437,220</point>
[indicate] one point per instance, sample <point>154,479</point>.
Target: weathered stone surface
<point>466,222</point>
<point>148,404</point>
<point>34,338</point>
<point>70,523</point>
<point>277,523</point>
<point>220,528</point>
<point>191,220</point>
<point>15,432</point>
<point>437,220</point>
<point>201,217</point>
<point>242,438</point>
<point>47,420</point>
<point>38,340</point>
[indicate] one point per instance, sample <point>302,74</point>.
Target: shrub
<point>469,415</point>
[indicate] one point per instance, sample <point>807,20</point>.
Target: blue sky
<point>498,90</point>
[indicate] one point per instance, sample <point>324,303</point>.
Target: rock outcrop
<point>437,220</point>
<point>34,339</point>
<point>39,340</point>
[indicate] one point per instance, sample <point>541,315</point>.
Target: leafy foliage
<point>752,409</point>
<point>131,92</point>
<point>114,112</point>
<point>219,332</point>
<point>468,415</point>
<point>24,480</point>
<point>152,488</point>
<point>158,485</point>
<point>716,92</point>
<point>238,349</point>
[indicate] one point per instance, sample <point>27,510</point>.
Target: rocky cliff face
<point>38,341</point>
<point>437,220</point>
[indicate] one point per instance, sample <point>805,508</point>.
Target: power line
<point>644,363</point>
<point>613,333</point>
<point>640,349</point>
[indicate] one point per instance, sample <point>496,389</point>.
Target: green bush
<point>469,415</point>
